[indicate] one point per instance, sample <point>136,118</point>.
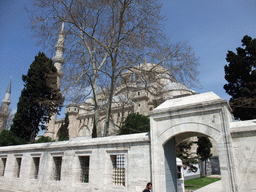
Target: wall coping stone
<point>188,102</point>
<point>243,126</point>
<point>111,140</point>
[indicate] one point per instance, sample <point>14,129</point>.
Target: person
<point>148,187</point>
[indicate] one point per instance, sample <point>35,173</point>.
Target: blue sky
<point>210,28</point>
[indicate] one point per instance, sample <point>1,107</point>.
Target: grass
<point>194,184</point>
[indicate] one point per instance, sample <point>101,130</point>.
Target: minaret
<point>58,58</point>
<point>58,62</point>
<point>5,106</point>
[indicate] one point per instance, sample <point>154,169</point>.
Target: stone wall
<point>244,145</point>
<point>61,165</point>
<point>126,163</point>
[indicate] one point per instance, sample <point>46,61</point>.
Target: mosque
<point>138,90</point>
<point>126,163</point>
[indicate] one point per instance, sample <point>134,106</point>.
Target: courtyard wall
<point>126,163</point>
<point>243,135</point>
<point>116,164</point>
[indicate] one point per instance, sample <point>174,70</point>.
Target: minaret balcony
<point>58,59</point>
<point>60,47</point>
<point>5,101</point>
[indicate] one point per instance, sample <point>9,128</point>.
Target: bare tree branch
<point>107,39</point>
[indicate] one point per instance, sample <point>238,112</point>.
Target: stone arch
<point>192,129</point>
<point>174,135</point>
<point>178,119</point>
<point>84,131</point>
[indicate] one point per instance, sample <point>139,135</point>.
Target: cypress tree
<point>94,129</point>
<point>39,99</point>
<point>241,76</point>
<point>63,131</point>
<point>204,149</point>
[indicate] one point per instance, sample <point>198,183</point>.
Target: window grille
<point>3,164</point>
<point>57,168</point>
<point>118,169</point>
<point>36,161</point>
<point>18,161</point>
<point>84,164</point>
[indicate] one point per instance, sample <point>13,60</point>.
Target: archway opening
<point>171,172</point>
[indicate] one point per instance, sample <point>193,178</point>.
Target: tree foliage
<point>63,133</point>
<point>7,137</point>
<point>204,151</point>
<point>183,151</point>
<point>204,148</point>
<point>43,139</point>
<point>135,123</point>
<point>94,129</point>
<point>106,38</point>
<point>241,76</point>
<point>39,99</point>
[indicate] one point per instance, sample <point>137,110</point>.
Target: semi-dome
<point>175,86</point>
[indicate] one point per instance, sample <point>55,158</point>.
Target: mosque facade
<point>139,90</point>
<point>131,96</point>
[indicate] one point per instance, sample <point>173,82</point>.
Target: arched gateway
<point>181,118</point>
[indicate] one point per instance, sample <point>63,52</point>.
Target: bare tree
<point>105,38</point>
